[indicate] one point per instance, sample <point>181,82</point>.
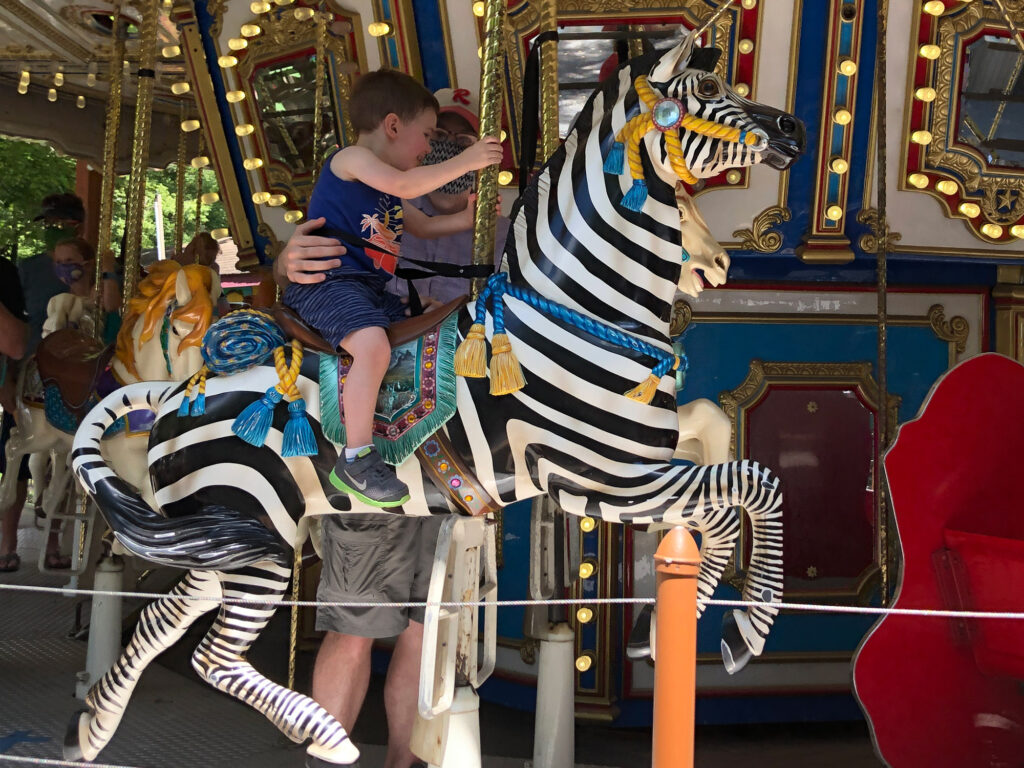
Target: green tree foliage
<point>29,171</point>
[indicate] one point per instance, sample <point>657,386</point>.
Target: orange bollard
<point>676,562</point>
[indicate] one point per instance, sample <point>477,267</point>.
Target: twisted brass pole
<point>179,190</point>
<point>140,150</point>
<point>881,505</point>
<point>548,80</point>
<point>485,218</point>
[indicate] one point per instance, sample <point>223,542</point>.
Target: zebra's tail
<point>214,538</point>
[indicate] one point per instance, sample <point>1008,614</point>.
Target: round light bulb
<point>58,78</point>
<point>293,216</point>
<point>842,116</point>
<point>749,4</point>
<point>235,96</point>
<point>260,197</point>
<point>587,524</point>
<point>220,233</point>
<point>26,76</point>
<point>505,178</point>
<point>742,89</point>
<point>930,51</point>
<point>303,14</point>
<point>209,198</point>
<point>22,88</point>
<point>921,137</point>
<point>276,200</point>
<point>51,95</point>
<point>834,213</point>
<point>244,129</point>
<point>179,88</point>
<point>189,125</point>
<point>584,615</point>
<point>848,67</point>
<point>733,177</point>
<point>80,102</point>
<point>260,6</point>
<point>992,230</point>
<point>584,662</point>
<point>918,180</point>
<point>378,28</point>
<point>946,187</point>
<point>934,7</point>
<point>745,45</point>
<point>251,30</point>
<point>227,61</point>
<point>479,9</point>
<point>970,210</point>
<point>200,162</point>
<point>238,43</point>
<point>925,94</point>
<point>1017,230</point>
<point>252,163</point>
<point>170,51</point>
<point>586,569</point>
<point>839,165</point>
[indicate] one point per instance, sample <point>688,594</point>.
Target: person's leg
<point>341,676</point>
<point>9,520</point>
<point>371,355</point>
<point>401,689</point>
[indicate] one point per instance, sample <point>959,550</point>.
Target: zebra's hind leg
<point>161,624</point>
<point>744,631</point>
<point>220,660</point>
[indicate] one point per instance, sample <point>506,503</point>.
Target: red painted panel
<point>820,442</point>
<point>938,692</point>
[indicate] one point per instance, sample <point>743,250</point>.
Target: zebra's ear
<point>182,293</point>
<point>674,61</point>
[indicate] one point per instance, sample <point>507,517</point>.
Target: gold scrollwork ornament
<point>955,330</point>
<point>760,236</point>
<point>869,242</point>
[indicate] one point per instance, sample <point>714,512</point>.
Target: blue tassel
<point>298,434</point>
<point>616,159</point>
<point>183,408</point>
<point>636,197</point>
<point>199,404</point>
<point>253,424</point>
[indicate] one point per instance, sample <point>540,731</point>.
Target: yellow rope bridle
<point>628,140</point>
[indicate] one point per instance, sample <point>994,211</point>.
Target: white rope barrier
<point>50,761</point>
<point>803,607</point>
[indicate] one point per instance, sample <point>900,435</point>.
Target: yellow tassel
<point>506,375</point>
<point>644,391</point>
<point>471,356</point>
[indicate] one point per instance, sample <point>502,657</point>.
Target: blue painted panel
<point>430,35</point>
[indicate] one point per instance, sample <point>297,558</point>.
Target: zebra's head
<point>717,128</point>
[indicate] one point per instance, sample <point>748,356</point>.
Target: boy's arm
<point>359,163</point>
<point>418,224</point>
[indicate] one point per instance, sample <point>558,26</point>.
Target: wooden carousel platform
<point>168,724</point>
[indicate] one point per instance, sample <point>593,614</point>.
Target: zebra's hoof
<point>735,653</point>
<point>312,761</point>
<point>72,738</point>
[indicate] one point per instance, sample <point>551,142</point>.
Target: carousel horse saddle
<point>71,364</point>
<point>399,333</point>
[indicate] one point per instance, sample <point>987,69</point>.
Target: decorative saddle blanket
<point>416,398</point>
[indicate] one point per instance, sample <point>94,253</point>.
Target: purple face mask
<point>69,273</point>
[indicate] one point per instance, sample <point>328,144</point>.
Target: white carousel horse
<point>593,261</point>
<point>172,303</point>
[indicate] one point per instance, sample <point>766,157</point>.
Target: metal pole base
<point>104,625</point>
<point>554,733</point>
<point>452,739</point>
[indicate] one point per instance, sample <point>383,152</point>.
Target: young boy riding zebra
<point>597,251</point>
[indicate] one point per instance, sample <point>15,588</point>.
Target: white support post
<point>104,624</point>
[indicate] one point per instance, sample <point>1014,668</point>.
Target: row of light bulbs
<point>838,164</point>
<point>25,80</point>
<point>585,615</point>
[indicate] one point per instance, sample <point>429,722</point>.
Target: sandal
<point>10,562</point>
<point>55,561</point>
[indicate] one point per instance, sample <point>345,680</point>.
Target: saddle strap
<point>449,473</point>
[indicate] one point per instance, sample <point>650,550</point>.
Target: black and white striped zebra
<point>226,505</point>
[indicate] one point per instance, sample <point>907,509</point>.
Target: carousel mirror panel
<point>966,114</point>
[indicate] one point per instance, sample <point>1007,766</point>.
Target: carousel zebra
<point>595,255</point>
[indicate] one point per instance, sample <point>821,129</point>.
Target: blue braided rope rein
<point>498,287</point>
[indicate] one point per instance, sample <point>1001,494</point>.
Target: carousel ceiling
<point>55,74</point>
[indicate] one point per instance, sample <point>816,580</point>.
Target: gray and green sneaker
<point>369,479</point>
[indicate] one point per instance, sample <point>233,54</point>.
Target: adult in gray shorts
<point>373,558</point>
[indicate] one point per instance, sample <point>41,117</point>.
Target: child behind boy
<point>360,193</point>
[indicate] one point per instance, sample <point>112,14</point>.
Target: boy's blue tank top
<point>365,212</point>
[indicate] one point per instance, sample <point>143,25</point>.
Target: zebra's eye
<point>708,88</point>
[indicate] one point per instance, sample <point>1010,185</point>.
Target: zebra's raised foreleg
<point>220,660</point>
<point>718,533</point>
<point>161,624</point>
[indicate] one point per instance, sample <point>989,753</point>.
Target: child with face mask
<point>74,264</point>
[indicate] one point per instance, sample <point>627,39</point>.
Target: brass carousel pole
<point>548,80</point>
<point>485,219</point>
<point>110,134</point>
<point>881,505</point>
<point>199,192</point>
<point>179,190</point>
<point>140,150</point>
